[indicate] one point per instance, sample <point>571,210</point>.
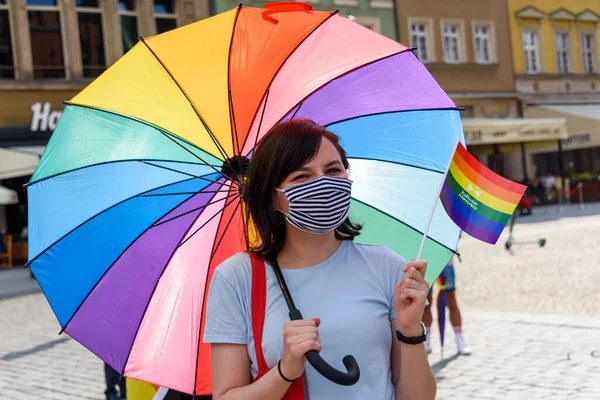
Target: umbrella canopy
<point>134,202</point>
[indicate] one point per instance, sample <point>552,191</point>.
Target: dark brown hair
<point>284,149</point>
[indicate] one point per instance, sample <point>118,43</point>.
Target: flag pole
<point>431,214</point>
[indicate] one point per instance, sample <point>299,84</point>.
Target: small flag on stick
<point>477,199</point>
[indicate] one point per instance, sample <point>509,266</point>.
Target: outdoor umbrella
<point>136,198</point>
<point>442,303</point>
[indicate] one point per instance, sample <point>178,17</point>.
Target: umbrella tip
<point>235,168</point>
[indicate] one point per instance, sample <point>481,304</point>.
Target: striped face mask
<point>319,205</point>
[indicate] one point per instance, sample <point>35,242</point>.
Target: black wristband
<point>412,340</point>
<point>281,375</point>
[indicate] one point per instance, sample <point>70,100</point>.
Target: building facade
<point>49,51</point>
<point>377,15</point>
<point>466,46</point>
<point>557,72</point>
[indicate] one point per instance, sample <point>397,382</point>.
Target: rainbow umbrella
<point>136,200</point>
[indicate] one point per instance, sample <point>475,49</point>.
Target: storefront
<point>27,119</point>
<point>581,151</point>
<point>503,144</point>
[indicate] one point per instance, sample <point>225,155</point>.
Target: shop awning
<point>21,161</point>
<point>507,135</point>
<point>583,122</point>
<point>514,130</point>
<point>8,196</point>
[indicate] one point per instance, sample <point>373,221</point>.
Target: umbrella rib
<point>260,122</point>
<point>297,109</point>
<point>113,162</point>
<point>163,131</point>
<point>224,230</point>
<point>100,213</point>
<point>192,210</point>
<point>405,224</point>
<point>206,284</point>
<point>394,162</point>
<point>234,136</point>
<point>391,112</point>
<point>154,290</point>
<point>206,222</point>
<point>187,173</point>
<point>208,130</point>
<point>113,263</point>
<point>283,63</point>
<point>182,193</point>
<point>300,103</point>
<point>346,73</point>
<point>168,135</point>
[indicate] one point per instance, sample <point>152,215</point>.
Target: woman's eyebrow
<point>329,164</point>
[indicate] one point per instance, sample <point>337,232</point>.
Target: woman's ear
<point>280,202</point>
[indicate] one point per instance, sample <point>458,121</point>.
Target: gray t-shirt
<point>351,292</point>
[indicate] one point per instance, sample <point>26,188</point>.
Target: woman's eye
<point>334,170</point>
<point>297,177</point>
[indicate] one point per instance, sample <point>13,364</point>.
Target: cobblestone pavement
<point>531,315</point>
<point>17,282</point>
<point>520,356</point>
<point>531,318</point>
<point>37,363</point>
<point>562,277</point>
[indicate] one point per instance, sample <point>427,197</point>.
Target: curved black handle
<point>341,378</point>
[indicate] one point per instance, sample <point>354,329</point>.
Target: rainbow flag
<point>477,199</point>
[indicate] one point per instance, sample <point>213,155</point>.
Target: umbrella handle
<point>341,378</point>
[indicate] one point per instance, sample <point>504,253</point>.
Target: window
<point>7,64</point>
<point>419,35</point>
<point>164,12</point>
<point>483,44</point>
<point>46,39</point>
<point>129,24</point>
<point>451,37</point>
<point>531,48</point>
<point>588,45</point>
<point>91,37</point>
<point>562,52</point>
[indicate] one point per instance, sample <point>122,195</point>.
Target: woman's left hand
<point>410,295</point>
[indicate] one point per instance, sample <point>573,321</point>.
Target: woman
<point>357,296</point>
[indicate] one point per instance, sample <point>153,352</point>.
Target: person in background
<point>448,279</point>
<point>549,184</point>
<point>3,248</point>
<point>537,190</point>
<point>114,379</point>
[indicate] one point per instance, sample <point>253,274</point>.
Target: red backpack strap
<point>259,304</point>
<point>258,309</point>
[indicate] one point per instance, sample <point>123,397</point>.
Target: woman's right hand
<point>299,337</point>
